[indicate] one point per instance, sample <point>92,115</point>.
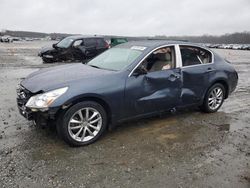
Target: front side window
<point>160,59</point>
<point>115,58</point>
<point>194,56</point>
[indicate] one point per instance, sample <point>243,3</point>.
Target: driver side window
<point>160,59</point>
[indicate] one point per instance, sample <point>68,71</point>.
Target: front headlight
<point>44,100</point>
<point>48,56</point>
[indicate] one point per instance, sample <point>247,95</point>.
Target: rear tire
<point>214,98</point>
<point>82,124</point>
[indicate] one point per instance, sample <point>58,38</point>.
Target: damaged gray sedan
<point>132,80</point>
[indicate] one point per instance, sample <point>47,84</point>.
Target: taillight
<point>107,45</point>
<point>236,75</point>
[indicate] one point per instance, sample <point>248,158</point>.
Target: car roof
<point>75,37</point>
<point>156,43</point>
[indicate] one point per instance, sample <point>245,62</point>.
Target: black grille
<point>23,95</point>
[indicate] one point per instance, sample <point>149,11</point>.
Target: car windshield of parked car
<point>115,58</point>
<point>65,43</point>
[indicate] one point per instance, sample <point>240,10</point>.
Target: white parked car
<point>6,38</point>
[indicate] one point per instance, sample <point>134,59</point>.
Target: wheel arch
<point>224,83</point>
<point>78,99</point>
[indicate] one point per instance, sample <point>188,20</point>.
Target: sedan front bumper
<point>47,56</point>
<point>23,95</point>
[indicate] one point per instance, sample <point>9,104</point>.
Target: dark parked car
<point>131,80</point>
<point>74,48</point>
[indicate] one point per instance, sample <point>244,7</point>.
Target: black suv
<point>74,48</point>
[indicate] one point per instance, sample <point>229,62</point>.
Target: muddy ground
<point>187,149</point>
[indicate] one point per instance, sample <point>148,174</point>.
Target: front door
<point>156,89</point>
<point>76,50</point>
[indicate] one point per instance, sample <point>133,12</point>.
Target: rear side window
<point>89,42</point>
<point>100,42</point>
<point>194,56</point>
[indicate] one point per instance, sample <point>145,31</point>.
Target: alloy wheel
<point>215,98</point>
<point>85,124</point>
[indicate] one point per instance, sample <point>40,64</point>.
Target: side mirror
<point>85,61</point>
<point>54,45</point>
<point>139,71</point>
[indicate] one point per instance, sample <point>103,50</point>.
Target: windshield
<point>65,43</point>
<point>115,58</point>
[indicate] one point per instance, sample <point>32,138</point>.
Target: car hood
<point>46,49</point>
<point>60,76</point>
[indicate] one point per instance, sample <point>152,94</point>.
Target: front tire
<point>46,60</point>
<point>214,98</point>
<point>83,123</point>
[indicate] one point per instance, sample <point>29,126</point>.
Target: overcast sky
<point>127,17</point>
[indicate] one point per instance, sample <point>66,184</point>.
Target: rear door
<point>197,67</point>
<point>101,45</point>
<point>90,47</point>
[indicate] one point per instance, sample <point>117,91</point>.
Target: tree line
<point>232,38</point>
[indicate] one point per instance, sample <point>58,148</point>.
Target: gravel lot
<point>187,149</point>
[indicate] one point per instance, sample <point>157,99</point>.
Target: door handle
<point>210,69</point>
<point>173,77</point>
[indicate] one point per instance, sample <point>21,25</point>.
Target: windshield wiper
<point>95,66</point>
<point>101,68</point>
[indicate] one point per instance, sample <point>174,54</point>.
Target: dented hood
<point>46,50</point>
<point>60,76</point>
